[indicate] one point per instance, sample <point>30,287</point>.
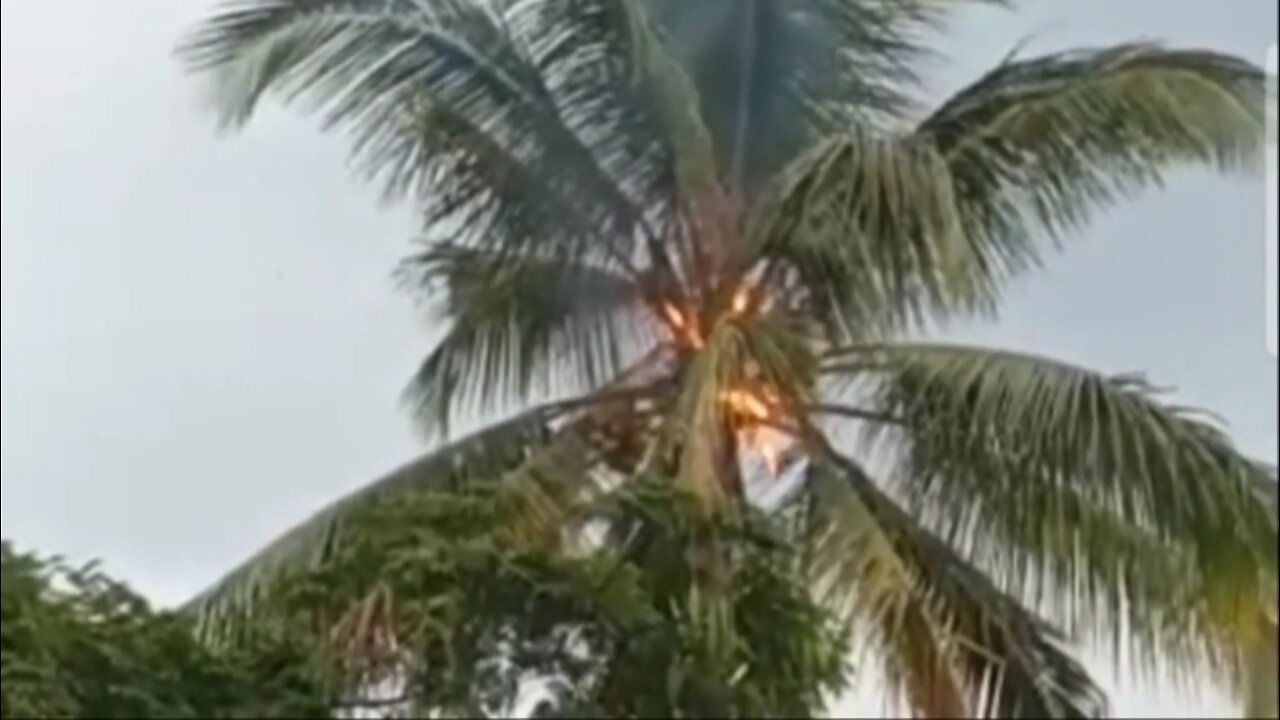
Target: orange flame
<point>754,411</point>
<point>749,300</point>
<point>674,316</point>
<point>748,404</point>
<point>681,326</point>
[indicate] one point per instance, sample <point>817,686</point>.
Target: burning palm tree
<point>693,238</point>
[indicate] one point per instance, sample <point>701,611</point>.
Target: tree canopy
<point>76,644</point>
<point>452,604</point>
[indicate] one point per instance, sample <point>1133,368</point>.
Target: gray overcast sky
<point>201,342</point>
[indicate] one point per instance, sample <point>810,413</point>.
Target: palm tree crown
<point>698,234</point>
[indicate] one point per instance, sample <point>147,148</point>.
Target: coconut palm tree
<point>704,239</point>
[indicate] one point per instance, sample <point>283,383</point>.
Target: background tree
<point>74,643</point>
<point>464,604</point>
<point>451,604</point>
<point>706,234</point>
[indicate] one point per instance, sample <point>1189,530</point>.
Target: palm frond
<point>866,231</point>
<point>1036,146</point>
<point>521,325</point>
<point>1109,581</point>
<point>775,74</point>
<point>346,58</point>
<point>937,220</point>
<point>1134,517</point>
<point>955,645</point>
<point>439,100</point>
<point>603,71</point>
<point>856,569</point>
<point>485,456</point>
<point>484,195</point>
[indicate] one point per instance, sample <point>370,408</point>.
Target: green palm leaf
<point>521,325</point>
<point>774,75</point>
<point>1079,486</point>
<point>422,88</point>
<point>1036,145</point>
<point>485,456</point>
<point>615,88</point>
<point>347,58</point>
<point>954,644</point>
<point>869,229</point>
<point>595,58</point>
<point>938,219</point>
<point>1103,578</point>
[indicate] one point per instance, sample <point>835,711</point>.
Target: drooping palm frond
<point>485,456</point>
<point>1108,438</point>
<point>493,201</point>
<point>521,325</point>
<point>940,217</point>
<point>596,58</point>
<point>954,645</point>
<point>773,75</point>
<point>1111,582</point>
<point>1064,482</point>
<point>617,89</point>
<point>1052,139</point>
<point>439,98</point>
<point>347,58</point>
<point>855,568</point>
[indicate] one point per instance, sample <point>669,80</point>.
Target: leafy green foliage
<point>74,643</point>
<point>438,593</point>
<point>479,458</point>
<point>523,325</point>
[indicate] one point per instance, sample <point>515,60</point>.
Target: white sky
<point>201,342</point>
